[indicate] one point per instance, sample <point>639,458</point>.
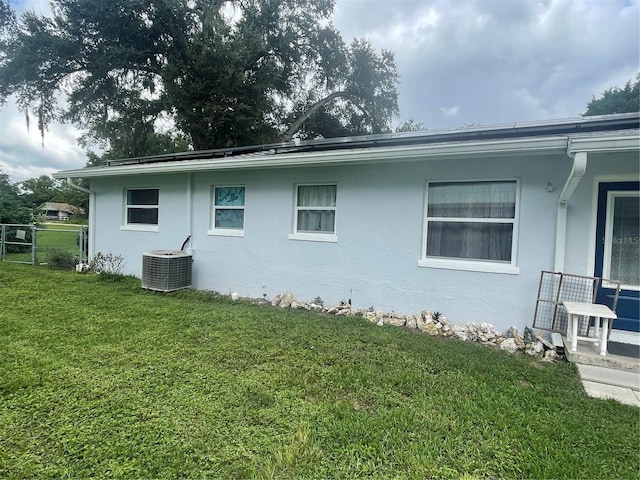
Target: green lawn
<point>50,238</point>
<point>105,380</point>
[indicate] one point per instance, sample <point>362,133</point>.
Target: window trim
<point>225,232</point>
<point>331,237</point>
<point>472,265</point>
<point>138,227</point>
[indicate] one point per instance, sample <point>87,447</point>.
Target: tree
<point>143,73</point>
<point>36,191</point>
<point>11,208</point>
<point>410,125</point>
<point>616,100</point>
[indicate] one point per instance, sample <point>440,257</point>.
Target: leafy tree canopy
<point>12,209</point>
<point>150,76</point>
<point>616,100</point>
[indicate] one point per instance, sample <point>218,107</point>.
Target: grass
<point>102,380</point>
<point>51,239</point>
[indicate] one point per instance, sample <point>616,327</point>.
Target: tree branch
<point>298,122</point>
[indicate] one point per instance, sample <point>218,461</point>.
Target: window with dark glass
<point>142,206</point>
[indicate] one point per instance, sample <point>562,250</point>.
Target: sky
<point>460,62</point>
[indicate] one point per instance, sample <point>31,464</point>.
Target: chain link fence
<point>55,245</point>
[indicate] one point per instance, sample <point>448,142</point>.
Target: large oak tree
<point>211,73</point>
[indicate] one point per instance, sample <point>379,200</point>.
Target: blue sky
<point>460,62</point>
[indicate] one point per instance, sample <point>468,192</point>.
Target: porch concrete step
<point>610,376</point>
<point>589,354</point>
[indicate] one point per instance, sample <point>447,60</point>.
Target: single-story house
<point>461,221</point>
<point>59,211</point>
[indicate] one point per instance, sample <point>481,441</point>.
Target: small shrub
<point>60,259</point>
<point>107,264</point>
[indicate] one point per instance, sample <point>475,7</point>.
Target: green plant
<point>107,264</point>
<point>60,259</point>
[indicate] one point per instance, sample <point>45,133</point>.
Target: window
<point>315,213</point>
<point>141,207</point>
<point>470,225</point>
<point>621,252</point>
<point>228,211</point>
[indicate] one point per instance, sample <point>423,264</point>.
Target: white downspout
<point>190,210</point>
<point>92,217</point>
<point>577,172</point>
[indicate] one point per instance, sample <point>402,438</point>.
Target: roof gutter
<point>520,146</point>
<point>577,172</point>
<point>77,187</point>
<point>92,219</point>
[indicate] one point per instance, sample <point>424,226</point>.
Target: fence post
<point>80,245</point>
<point>85,242</point>
<point>2,243</point>
<point>34,257</point>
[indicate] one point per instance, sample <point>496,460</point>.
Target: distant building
<point>59,211</point>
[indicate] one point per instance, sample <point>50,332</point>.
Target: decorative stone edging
<point>435,324</point>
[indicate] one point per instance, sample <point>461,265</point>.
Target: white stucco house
<point>461,221</point>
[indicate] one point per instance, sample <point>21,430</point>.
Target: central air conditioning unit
<point>166,270</point>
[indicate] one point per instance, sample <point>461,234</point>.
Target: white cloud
<point>450,111</point>
<point>500,61</point>
<point>22,154</point>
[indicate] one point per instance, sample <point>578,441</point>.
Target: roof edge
<point>362,155</point>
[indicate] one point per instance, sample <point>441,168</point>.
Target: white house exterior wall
<point>379,225</point>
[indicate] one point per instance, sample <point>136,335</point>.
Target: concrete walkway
<point>612,376</point>
<point>605,382</point>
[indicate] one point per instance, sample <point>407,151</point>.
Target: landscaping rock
<point>461,332</point>
<point>551,356</point>
<point>519,341</point>
<point>547,344</point>
<point>295,304</point>
<point>509,344</point>
<point>535,349</point>
<point>395,319</point>
<point>276,300</point>
<point>286,300</point>
<point>411,321</point>
<point>529,335</point>
<point>533,343</point>
<point>373,316</point>
<point>429,328</point>
<point>511,333</point>
<point>425,323</point>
